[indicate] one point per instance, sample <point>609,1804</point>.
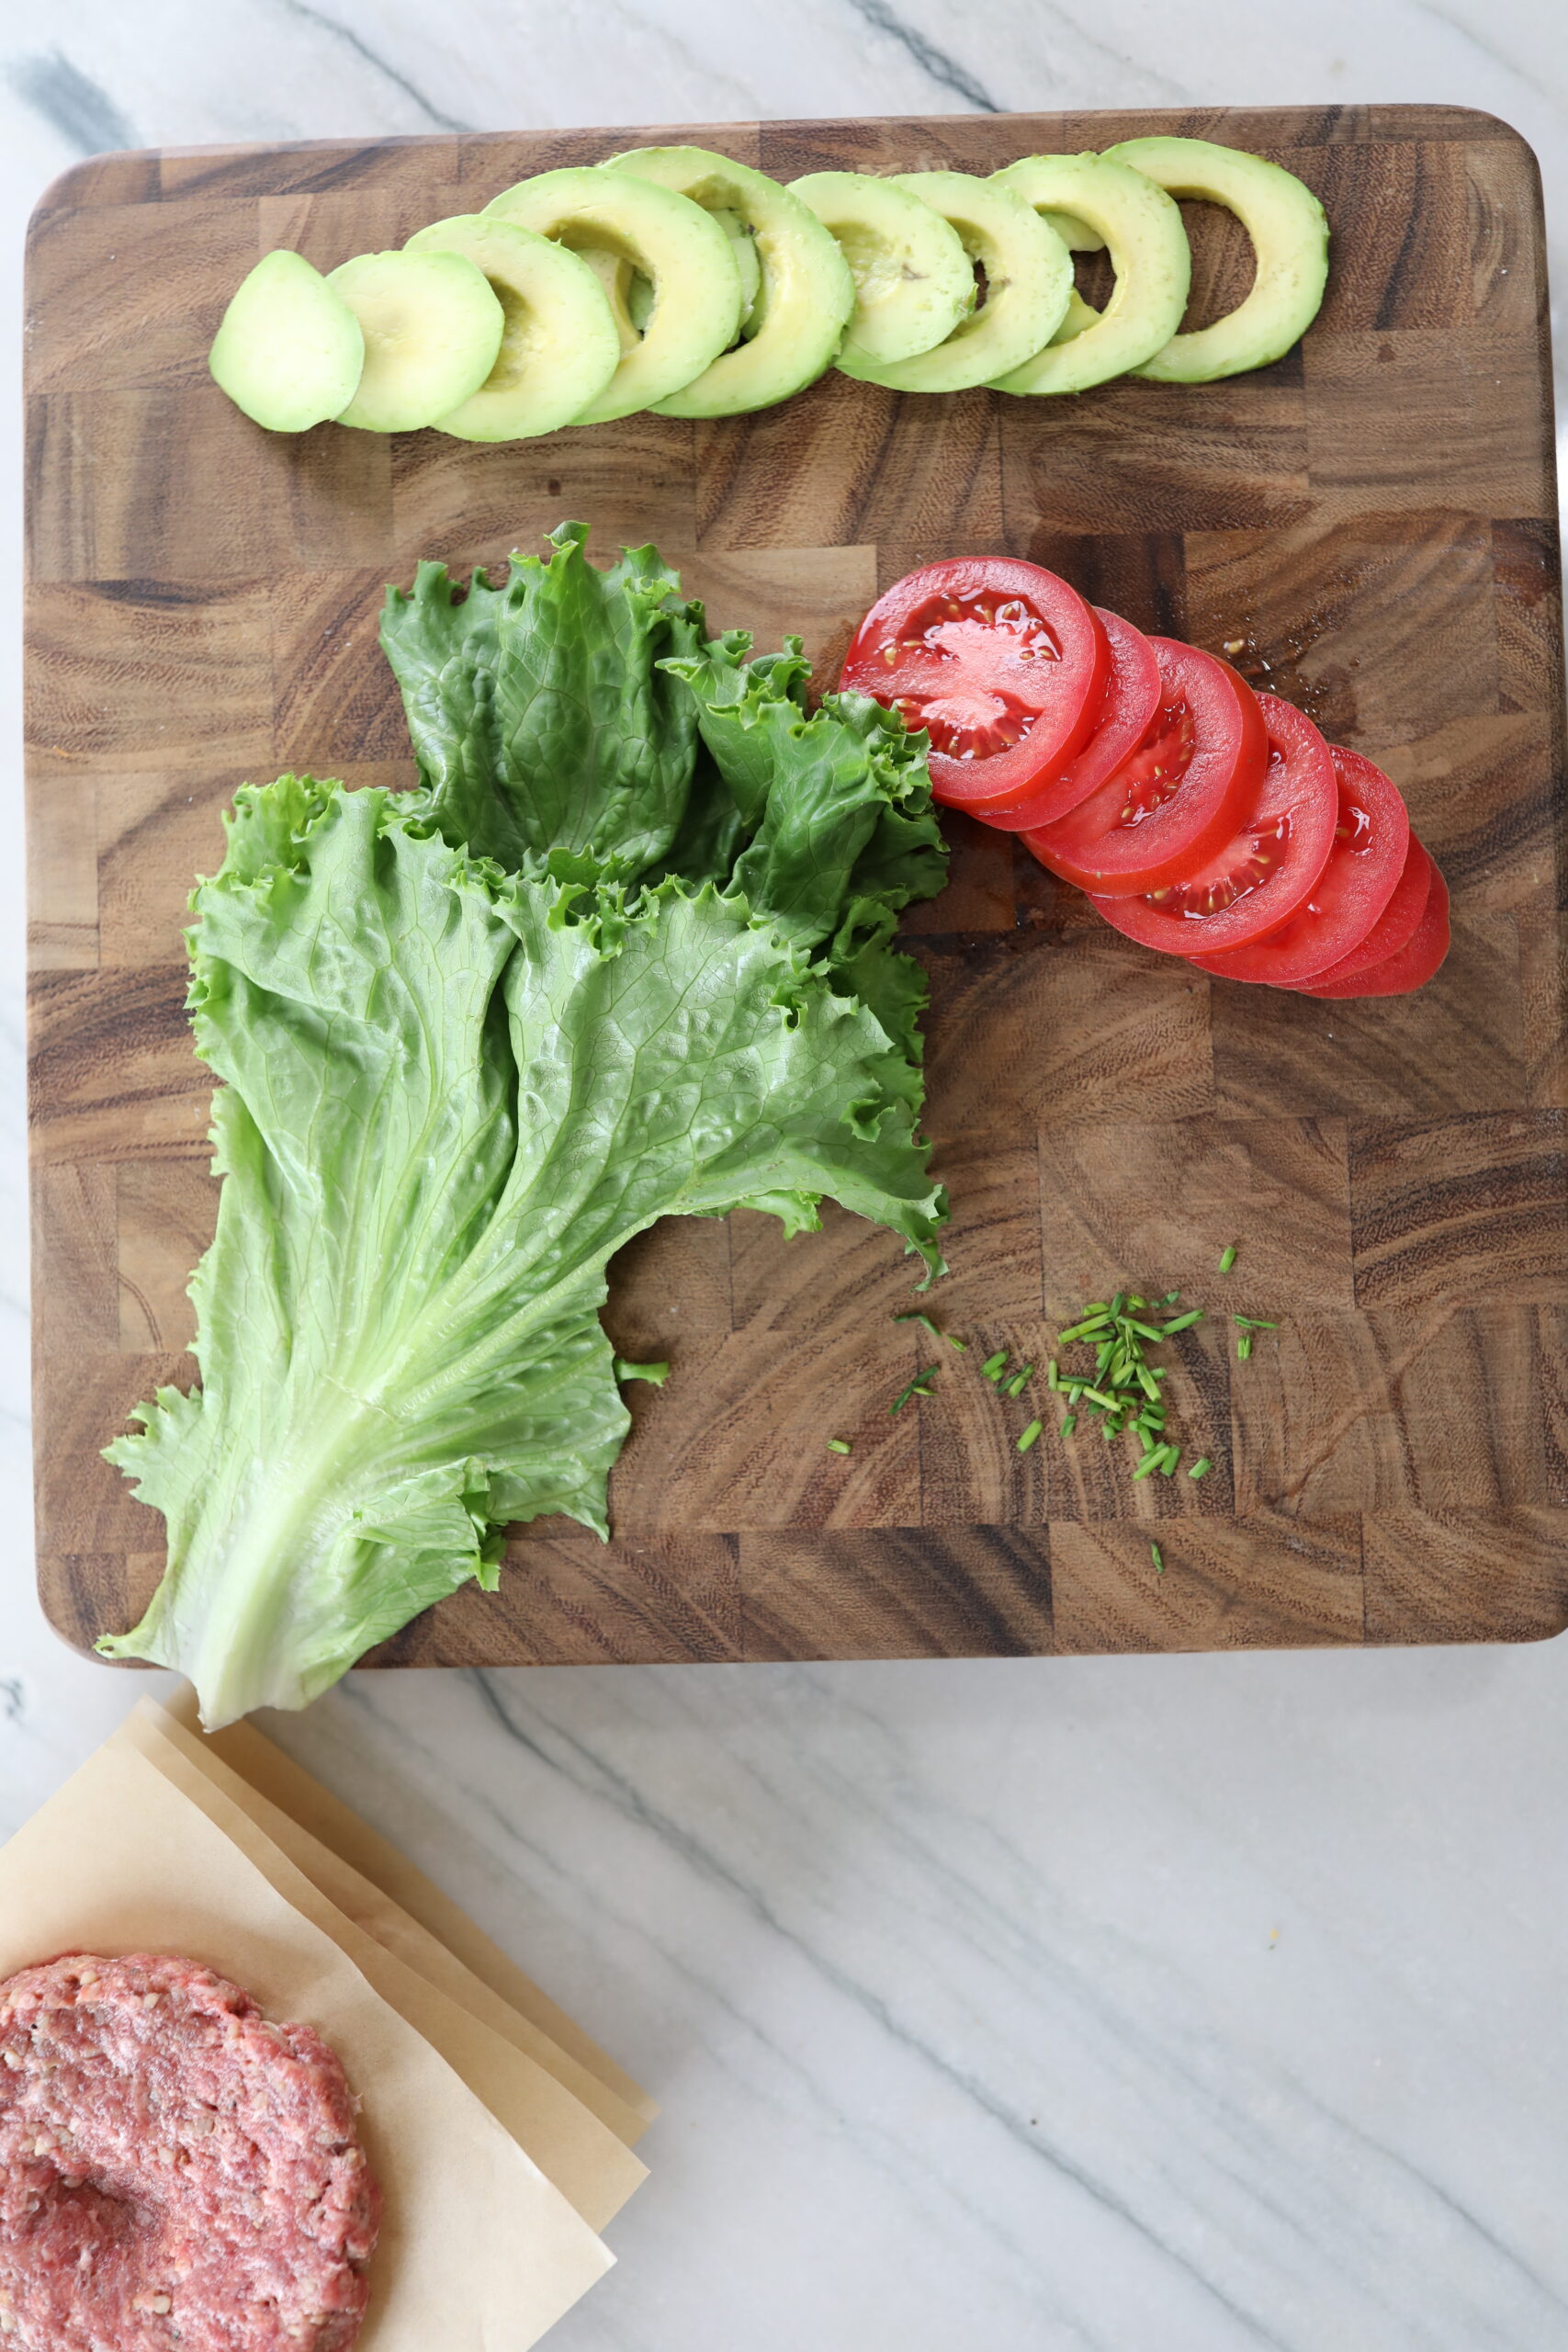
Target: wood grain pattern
<point>1372,519</point>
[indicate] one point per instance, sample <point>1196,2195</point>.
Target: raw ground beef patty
<point>174,2171</point>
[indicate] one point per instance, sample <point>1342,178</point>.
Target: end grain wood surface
<point>1373,518</point>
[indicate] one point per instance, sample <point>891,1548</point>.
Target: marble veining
<point>1174,2005</point>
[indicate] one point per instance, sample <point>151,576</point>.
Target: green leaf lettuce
<point>624,955</point>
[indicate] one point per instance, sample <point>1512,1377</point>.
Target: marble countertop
<point>1157,2005</point>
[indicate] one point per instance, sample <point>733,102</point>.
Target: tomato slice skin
<point>1001,661</point>
<point>1394,927</point>
<point>1132,700</point>
<point>1371,840</point>
<point>1414,964</point>
<point>1180,797</point>
<point>1268,869</point>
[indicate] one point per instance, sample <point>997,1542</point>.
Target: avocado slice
<point>1029,282</point>
<point>289,351</point>
<point>913,279</point>
<point>624,227</point>
<point>742,247</point>
<point>1142,228</point>
<point>796,290</point>
<point>432,330</point>
<point>1289,235</point>
<point>558,346</point>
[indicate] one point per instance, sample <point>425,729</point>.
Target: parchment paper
<point>276,1776</point>
<point>479,2251</point>
<point>593,2169</point>
<point>370,1907</point>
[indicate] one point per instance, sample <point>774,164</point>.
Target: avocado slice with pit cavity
<point>795,312</point>
<point>289,351</point>
<point>1029,281</point>
<point>913,279</point>
<point>624,227</point>
<point>1142,228</point>
<point>558,346</point>
<point>432,330</point>
<point>1289,236</point>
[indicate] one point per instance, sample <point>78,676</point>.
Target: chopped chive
<point>1133,1300</point>
<point>992,1367</point>
<point>655,1373</point>
<point>1019,1381</point>
<point>1244,1347</point>
<point>918,1387</point>
<point>1150,1462</point>
<point>1227,1258</point>
<point>1145,1331</point>
<point>1157,1556</point>
<point>1027,1437</point>
<point>1075,1390</point>
<point>1170,1458</point>
<point>1119,1302</point>
<point>1170,1298</point>
<point>840,1445</point>
<point>1069,1423</point>
<point>916,1314</point>
<point>1255,1323</point>
<point>1201,1468</point>
<point>1053,1377</point>
<point>1148,1384</point>
<point>1097,1397</point>
<point>1183,1322</point>
<point>1081,1331</point>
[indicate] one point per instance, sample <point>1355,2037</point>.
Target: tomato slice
<point>1131,699</point>
<point>1003,664</point>
<point>1396,925</point>
<point>1372,839</point>
<point>1269,865</point>
<point>1412,965</point>
<point>1180,797</point>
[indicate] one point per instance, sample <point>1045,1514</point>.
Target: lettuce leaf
<point>461,1069</point>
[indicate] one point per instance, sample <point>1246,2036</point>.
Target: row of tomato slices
<point>1202,819</point>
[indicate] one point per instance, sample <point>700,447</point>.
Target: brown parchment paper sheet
<point>288,1784</point>
<point>282,1813</point>
<point>479,2251</point>
<point>595,2171</point>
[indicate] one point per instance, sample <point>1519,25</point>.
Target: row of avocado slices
<point>674,279</point>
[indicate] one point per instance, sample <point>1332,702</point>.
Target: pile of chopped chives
<point>1123,1392</point>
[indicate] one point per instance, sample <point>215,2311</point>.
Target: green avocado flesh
<point>624,227</point>
<point>432,329</point>
<point>1289,236</point>
<point>1140,226</point>
<point>796,309</point>
<point>289,351</point>
<point>558,346</point>
<point>1029,282</point>
<point>913,279</point>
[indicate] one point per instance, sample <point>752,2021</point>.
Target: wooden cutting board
<point>1373,520</point>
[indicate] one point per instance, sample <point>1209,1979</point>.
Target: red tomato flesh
<point>1414,964</point>
<point>1372,839</point>
<point>1268,867</point>
<point>1396,925</point>
<point>1183,794</point>
<point>1002,663</point>
<point>1131,699</point>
